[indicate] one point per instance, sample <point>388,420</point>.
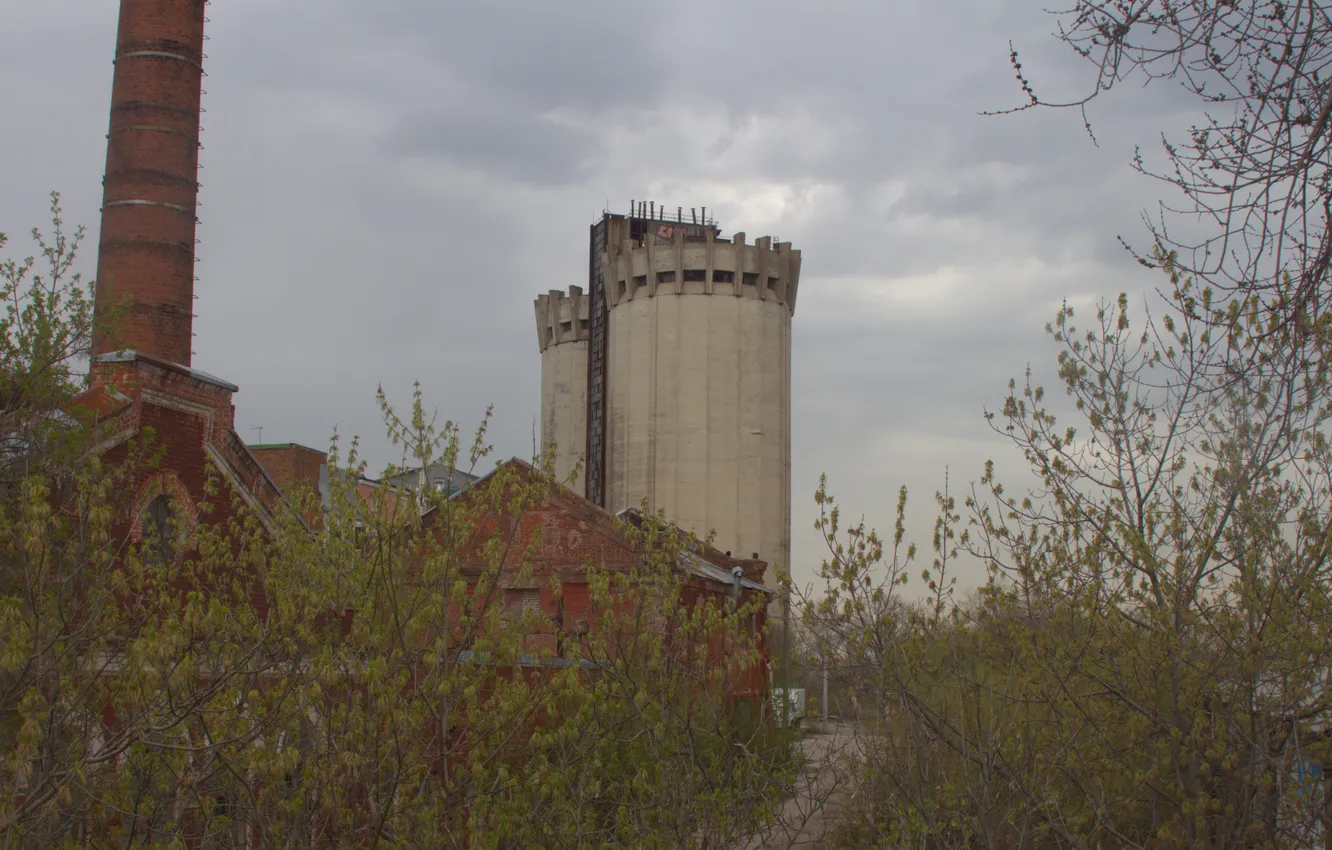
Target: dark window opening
<point>566,326</point>
<point>772,284</point>
<point>696,274</point>
<point>582,324</point>
<point>560,647</point>
<point>751,279</point>
<point>640,281</point>
<point>158,527</point>
<point>719,276</point>
<point>619,290</point>
<point>531,601</point>
<point>666,277</point>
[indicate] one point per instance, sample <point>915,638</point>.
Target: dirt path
<point>811,812</point>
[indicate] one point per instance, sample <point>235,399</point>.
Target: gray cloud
<point>503,143</point>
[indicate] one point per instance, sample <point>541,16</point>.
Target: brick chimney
<point>291,466</point>
<point>146,251</point>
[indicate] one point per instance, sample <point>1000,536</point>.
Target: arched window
<point>159,529</point>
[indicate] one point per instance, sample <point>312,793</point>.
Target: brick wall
<point>292,467</point>
<point>192,420</point>
<point>146,250</point>
<point>574,533</point>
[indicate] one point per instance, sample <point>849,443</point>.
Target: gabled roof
<point>222,446</point>
<point>695,559</point>
<point>700,559</point>
<point>103,401</point>
<point>453,478</point>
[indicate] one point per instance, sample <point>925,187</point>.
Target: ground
<point>810,814</point>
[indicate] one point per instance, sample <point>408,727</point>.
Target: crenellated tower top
<point>685,260</point>
<point>561,317</point>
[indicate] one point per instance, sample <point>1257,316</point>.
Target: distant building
<point>438,477</point>
<point>292,466</point>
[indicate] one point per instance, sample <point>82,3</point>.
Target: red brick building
<point>574,536</point>
<point>142,381</point>
<point>191,418</point>
<point>142,377</point>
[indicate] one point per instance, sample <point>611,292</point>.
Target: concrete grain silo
<point>562,336</point>
<point>688,378</point>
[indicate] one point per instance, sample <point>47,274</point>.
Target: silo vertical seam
<point>651,488</point>
<point>680,390</point>
<point>786,416</point>
<point>739,418</point>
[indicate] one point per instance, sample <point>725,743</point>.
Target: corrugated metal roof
<point>697,565</point>
<point>707,569</point>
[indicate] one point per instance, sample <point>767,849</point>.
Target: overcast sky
<point>387,185</point>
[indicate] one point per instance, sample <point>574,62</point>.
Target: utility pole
<point>786,639</point>
<point>824,703</point>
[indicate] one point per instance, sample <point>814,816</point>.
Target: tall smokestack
<point>146,252</point>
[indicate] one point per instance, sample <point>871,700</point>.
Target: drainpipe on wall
<point>736,574</point>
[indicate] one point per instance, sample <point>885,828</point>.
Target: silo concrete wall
<point>562,336</point>
<point>699,388</point>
